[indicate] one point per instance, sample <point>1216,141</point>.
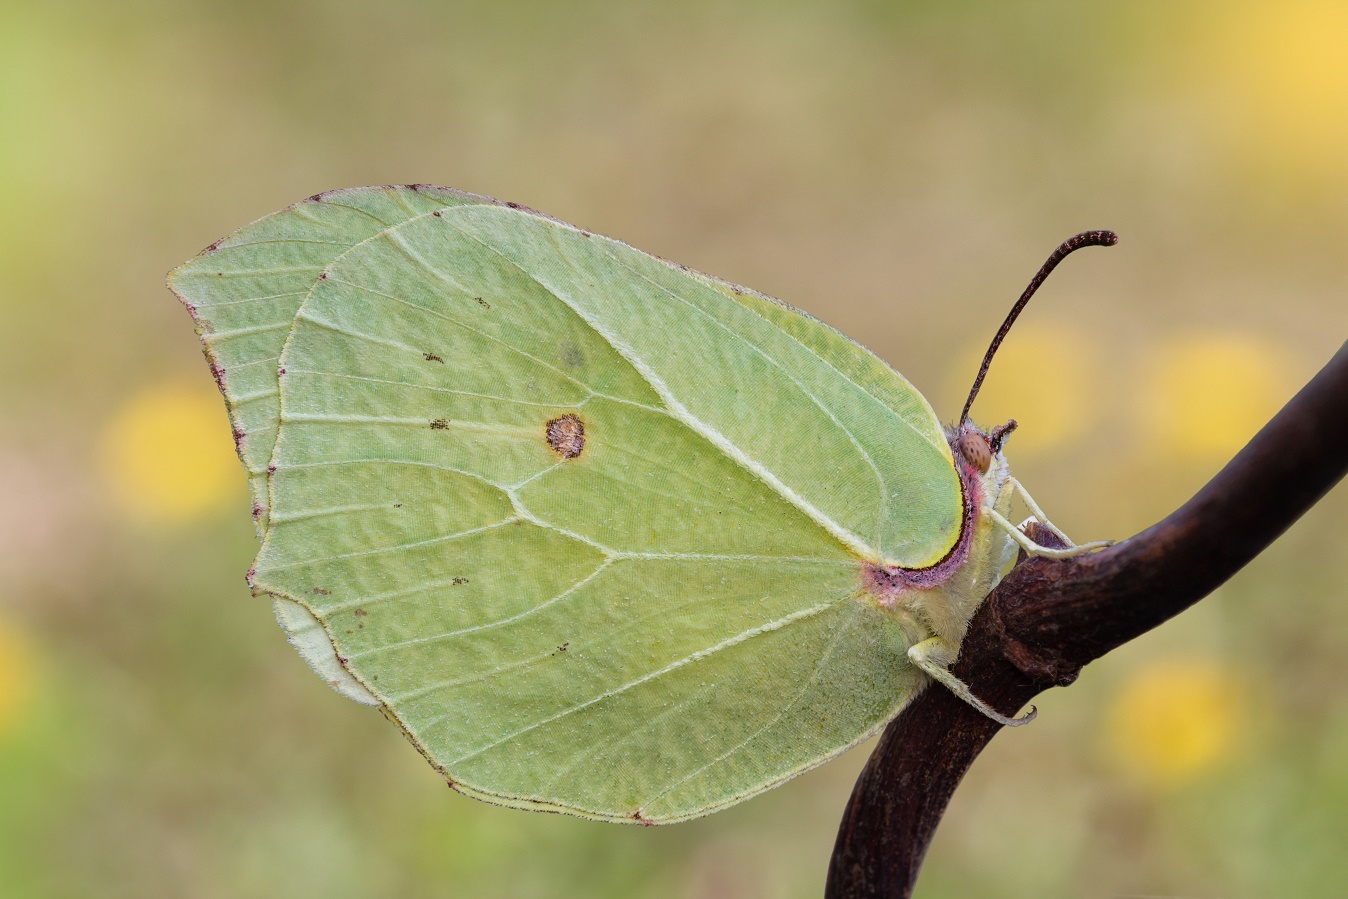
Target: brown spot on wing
<point>566,435</point>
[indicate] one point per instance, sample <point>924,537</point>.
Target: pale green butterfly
<point>602,535</point>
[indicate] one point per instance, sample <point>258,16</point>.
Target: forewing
<point>811,413</point>
<point>919,486</point>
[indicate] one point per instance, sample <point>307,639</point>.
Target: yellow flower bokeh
<point>1044,377</point>
<point>1208,394</point>
<point>1174,719</point>
<point>1284,67</point>
<point>16,678</point>
<point>167,455</point>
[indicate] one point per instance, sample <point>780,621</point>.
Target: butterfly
<point>601,534</point>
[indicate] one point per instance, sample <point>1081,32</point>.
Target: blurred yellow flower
<point>1044,377</point>
<point>16,677</point>
<point>1173,719</point>
<point>1207,395</point>
<point>1285,64</point>
<point>167,456</point>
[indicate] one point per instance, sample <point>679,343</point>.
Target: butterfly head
<point>977,448</point>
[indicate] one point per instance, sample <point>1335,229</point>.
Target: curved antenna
<point>1068,247</point>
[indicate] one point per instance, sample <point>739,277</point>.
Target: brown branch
<point>1049,618</point>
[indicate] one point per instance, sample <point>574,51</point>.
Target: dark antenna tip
<point>1068,247</point>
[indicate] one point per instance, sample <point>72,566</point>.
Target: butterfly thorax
<point>940,601</point>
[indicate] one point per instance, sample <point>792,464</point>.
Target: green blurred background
<point>899,170</point>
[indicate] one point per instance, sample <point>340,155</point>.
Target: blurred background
<point>898,169</point>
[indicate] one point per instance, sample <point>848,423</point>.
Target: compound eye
<point>976,450</point>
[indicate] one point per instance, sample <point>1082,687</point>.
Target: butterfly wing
<point>586,524</point>
<point>244,290</point>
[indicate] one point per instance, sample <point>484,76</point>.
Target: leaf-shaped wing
<point>590,526</point>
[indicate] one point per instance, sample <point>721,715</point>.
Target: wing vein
<point>736,336</point>
<point>256,243</point>
<point>940,447</point>
<point>467,327</point>
<point>799,694</point>
<point>485,396</point>
<point>477,628</point>
<point>698,656</point>
<point>388,549</point>
<point>275,296</point>
<point>434,465</point>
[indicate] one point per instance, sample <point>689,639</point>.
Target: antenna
<point>1069,246</point>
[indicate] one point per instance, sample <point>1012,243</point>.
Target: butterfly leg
<point>1035,549</point>
<point>1038,513</point>
<point>933,656</point>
